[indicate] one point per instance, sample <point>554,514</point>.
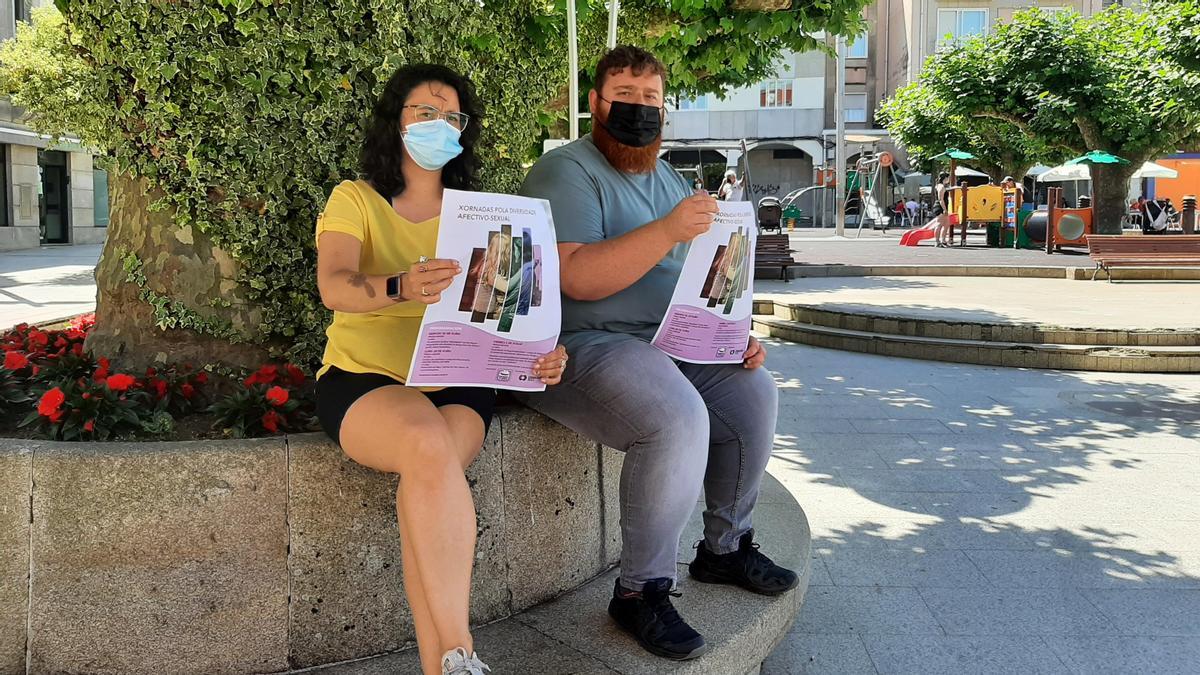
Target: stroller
<point>770,214</point>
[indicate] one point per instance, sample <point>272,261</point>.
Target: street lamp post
<point>839,107</point>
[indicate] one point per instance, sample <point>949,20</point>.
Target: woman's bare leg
<point>398,430</point>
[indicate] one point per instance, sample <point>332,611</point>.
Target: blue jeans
<point>681,426</point>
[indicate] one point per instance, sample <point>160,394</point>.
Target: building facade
<point>901,35</point>
<point>780,119</point>
<point>50,192</point>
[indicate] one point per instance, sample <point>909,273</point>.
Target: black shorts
<point>337,390</point>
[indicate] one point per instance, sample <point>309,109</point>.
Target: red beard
<point>623,157</point>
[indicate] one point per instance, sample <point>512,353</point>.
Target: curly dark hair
<point>383,146</point>
<point>636,59</point>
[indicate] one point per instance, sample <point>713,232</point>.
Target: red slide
<point>914,237</point>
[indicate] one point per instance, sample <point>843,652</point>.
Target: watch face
<point>393,287</point>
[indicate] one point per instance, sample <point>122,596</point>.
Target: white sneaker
<point>458,662</point>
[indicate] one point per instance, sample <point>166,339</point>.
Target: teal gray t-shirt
<point>591,201</point>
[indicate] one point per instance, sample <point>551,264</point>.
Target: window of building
<point>858,48</point>
<point>100,196</point>
<point>21,10</point>
<point>855,106</point>
<point>5,216</point>
<point>775,94</point>
<point>959,24</point>
<point>700,103</point>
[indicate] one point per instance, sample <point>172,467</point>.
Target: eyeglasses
<point>428,113</point>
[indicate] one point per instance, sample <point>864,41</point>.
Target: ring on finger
<point>424,292</point>
<point>422,268</point>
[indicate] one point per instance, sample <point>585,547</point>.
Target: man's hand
<point>756,354</point>
<point>690,218</point>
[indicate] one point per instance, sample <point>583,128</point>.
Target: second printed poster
<point>503,312</point>
<point>709,317</point>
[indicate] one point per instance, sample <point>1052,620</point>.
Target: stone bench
<point>277,554</point>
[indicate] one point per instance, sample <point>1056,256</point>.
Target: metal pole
<point>614,6</point>
<point>839,107</point>
<point>573,69</point>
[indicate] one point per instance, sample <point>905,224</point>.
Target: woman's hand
<point>756,354</point>
<point>549,368</point>
<point>426,280</point>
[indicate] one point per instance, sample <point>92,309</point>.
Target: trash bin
<point>791,216</point>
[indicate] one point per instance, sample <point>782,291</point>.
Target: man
<point>624,219</point>
<point>731,188</point>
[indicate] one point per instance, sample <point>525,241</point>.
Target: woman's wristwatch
<point>395,286</point>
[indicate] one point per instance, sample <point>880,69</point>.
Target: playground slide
<point>920,234</point>
<point>926,231</point>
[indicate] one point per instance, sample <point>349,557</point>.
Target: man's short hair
<point>636,59</point>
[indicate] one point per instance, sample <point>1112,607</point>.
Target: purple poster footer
<point>695,335</point>
<point>453,355</point>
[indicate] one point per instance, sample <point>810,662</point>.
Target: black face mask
<point>633,124</point>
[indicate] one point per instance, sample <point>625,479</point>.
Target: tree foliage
<point>242,114</point>
<point>927,126</point>
<point>1116,81</point>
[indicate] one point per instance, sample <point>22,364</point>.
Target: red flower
<point>119,382</point>
<point>101,372</point>
<point>277,396</point>
<point>187,390</point>
<point>34,370</point>
<point>86,395</point>
<point>151,372</point>
<point>270,421</point>
<point>264,375</point>
<point>39,338</point>
<point>74,334</point>
<point>78,349</point>
<point>89,425</point>
<point>160,388</point>
<point>295,375</point>
<point>60,342</point>
<point>15,360</point>
<point>51,404</point>
<point>201,378</point>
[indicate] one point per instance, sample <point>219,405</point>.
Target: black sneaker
<point>649,616</point>
<point>746,567</point>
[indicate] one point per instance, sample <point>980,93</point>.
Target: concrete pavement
<point>969,519</point>
<point>47,283</point>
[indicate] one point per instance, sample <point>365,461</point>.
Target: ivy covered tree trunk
<point>164,292</point>
<point>1110,187</point>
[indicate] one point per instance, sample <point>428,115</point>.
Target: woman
<point>373,240</point>
<point>943,231</point>
<point>731,188</point>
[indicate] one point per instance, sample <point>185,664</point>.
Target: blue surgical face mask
<point>432,144</point>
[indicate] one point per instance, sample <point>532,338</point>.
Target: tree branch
<point>1023,126</point>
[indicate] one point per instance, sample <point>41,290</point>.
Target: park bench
<point>773,250</point>
<point>1109,251</point>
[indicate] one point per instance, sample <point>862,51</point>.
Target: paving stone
<point>957,655</point>
<point>853,565</point>
<point>862,609</point>
<point>986,611</point>
<point>801,654</point>
<point>554,530</point>
<point>160,557</point>
<point>1150,611</point>
<point>1100,567</point>
<point>16,482</point>
<point>1086,655</point>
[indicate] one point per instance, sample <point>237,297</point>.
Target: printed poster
<point>503,311</point>
<point>708,320</point>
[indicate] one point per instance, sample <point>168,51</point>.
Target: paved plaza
<point>47,284</point>
<point>970,519</point>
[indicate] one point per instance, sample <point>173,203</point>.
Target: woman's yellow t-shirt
<point>381,341</point>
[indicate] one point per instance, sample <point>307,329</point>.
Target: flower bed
<point>52,387</point>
